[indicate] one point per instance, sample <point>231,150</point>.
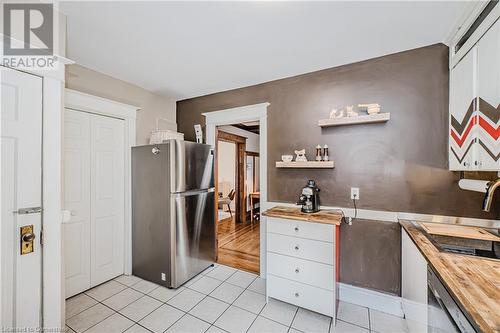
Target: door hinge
<point>41,237</point>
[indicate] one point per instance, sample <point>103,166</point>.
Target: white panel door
<point>77,201</point>
<point>107,198</point>
<point>488,83</point>
<point>21,187</point>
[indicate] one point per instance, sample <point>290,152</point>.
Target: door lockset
<point>29,210</point>
<point>27,238</point>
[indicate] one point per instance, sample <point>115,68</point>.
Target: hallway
<point>239,245</point>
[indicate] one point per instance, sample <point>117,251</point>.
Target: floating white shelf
<point>306,165</point>
<point>365,119</point>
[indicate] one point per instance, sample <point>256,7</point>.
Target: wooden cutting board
<point>461,231</point>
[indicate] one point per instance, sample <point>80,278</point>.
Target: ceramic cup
<point>286,158</point>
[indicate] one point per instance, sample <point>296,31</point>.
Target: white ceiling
<point>188,49</point>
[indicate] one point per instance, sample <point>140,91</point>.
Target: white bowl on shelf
<point>287,158</point>
<point>373,110</point>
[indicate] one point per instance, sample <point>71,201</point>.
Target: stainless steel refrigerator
<point>173,211</point>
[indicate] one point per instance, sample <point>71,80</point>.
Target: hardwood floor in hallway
<point>239,245</point>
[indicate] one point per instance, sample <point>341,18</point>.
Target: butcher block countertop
<point>474,282</point>
<point>333,217</point>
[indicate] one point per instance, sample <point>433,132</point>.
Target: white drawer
<point>300,248</point>
<point>311,230</point>
<point>300,270</point>
<point>305,296</point>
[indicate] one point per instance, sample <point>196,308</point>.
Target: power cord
<point>350,219</point>
<point>355,208</point>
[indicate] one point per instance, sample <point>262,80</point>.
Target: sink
<point>466,246</point>
<point>477,248</point>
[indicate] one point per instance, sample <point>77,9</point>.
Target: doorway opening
<point>237,184</point>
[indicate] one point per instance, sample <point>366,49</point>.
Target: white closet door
<point>77,201</point>
<point>107,198</point>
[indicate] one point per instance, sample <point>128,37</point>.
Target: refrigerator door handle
<point>190,193</point>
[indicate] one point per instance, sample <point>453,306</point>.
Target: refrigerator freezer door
<point>192,165</point>
<point>193,247</point>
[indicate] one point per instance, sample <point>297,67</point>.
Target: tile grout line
<point>137,322</point>
<point>113,312</point>
<point>260,309</point>
<point>183,311</point>
<point>205,296</point>
<point>230,304</point>
<point>369,320</point>
<point>293,319</point>
<point>290,327</point>
<point>95,323</point>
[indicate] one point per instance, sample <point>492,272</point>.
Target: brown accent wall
<point>371,255</point>
<point>400,165</point>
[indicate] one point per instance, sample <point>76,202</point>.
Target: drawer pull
<point>297,295</point>
<point>297,270</point>
<point>296,229</point>
<point>296,247</point>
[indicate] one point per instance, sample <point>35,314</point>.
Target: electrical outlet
<point>355,193</point>
<point>163,277</point>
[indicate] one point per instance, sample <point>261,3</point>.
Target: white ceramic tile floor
<point>220,299</point>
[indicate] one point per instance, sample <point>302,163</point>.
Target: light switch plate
<point>355,193</point>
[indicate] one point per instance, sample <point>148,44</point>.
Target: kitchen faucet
<point>490,191</point>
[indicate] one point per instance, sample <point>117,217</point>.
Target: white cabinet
<point>302,264</point>
<point>94,194</point>
<point>474,106</point>
<point>462,112</point>
<point>488,106</point>
<point>413,284</point>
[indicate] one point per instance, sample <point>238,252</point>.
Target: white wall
<point>252,138</point>
<point>152,106</point>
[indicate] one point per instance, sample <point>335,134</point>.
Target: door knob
<point>29,237</point>
<point>26,239</point>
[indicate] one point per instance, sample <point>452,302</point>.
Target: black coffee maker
<point>309,198</point>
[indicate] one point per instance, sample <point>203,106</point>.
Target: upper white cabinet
<point>488,92</point>
<point>462,112</point>
<point>474,106</point>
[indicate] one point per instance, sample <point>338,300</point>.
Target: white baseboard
<point>415,311</point>
<point>371,299</point>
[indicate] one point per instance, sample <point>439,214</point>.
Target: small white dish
<point>287,158</point>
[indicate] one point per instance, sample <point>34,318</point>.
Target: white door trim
<point>255,112</point>
<point>79,101</point>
